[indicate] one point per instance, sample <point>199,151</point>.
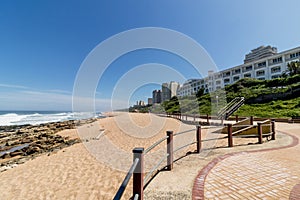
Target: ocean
<point>9,118</point>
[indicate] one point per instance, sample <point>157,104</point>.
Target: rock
<point>33,150</point>
<point>16,153</point>
<point>5,155</point>
<point>22,160</point>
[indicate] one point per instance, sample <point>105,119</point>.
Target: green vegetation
<point>270,98</point>
<point>140,109</point>
<point>294,68</point>
<point>279,108</point>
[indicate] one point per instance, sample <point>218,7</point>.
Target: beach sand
<point>95,168</point>
<point>78,171</point>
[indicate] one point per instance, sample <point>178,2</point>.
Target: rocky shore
<point>24,142</point>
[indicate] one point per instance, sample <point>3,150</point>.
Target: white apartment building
<point>263,63</point>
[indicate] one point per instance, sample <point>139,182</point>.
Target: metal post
<point>273,129</point>
<point>236,118</point>
<point>230,141</point>
<point>170,150</point>
<point>198,136</point>
<point>251,120</point>
<point>138,175</point>
<point>259,131</point>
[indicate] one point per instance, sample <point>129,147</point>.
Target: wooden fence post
<point>138,175</point>
<point>207,118</point>
<point>186,117</point>
<point>194,117</point>
<point>236,118</point>
<point>198,137</point>
<point>273,129</point>
<point>259,131</point>
<point>230,141</point>
<point>170,150</point>
<point>251,120</point>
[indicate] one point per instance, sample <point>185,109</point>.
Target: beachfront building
<point>140,103</point>
<point>263,63</point>
<point>165,92</point>
<point>156,96</point>
<point>150,101</point>
<point>169,90</point>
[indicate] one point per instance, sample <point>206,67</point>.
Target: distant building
<point>169,90</point>
<point>166,93</point>
<point>156,96</point>
<point>189,87</point>
<point>263,63</point>
<point>173,86</point>
<point>150,101</point>
<point>260,52</point>
<point>140,103</point>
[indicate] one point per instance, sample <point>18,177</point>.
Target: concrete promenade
<point>246,171</point>
<point>260,174</point>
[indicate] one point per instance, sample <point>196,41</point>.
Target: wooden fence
<point>137,169</point>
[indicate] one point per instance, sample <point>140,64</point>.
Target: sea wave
<point>35,118</point>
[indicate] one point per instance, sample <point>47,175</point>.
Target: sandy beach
<point>77,172</point>
<point>95,168</point>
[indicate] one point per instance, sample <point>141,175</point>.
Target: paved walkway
<point>260,174</point>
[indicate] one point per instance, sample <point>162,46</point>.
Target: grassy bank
<point>270,98</point>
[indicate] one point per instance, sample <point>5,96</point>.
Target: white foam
<point>37,118</point>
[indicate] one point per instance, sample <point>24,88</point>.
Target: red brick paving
<point>250,175</point>
<point>295,193</point>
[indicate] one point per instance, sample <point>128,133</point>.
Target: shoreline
<point>91,169</point>
<point>20,143</point>
<point>78,171</point>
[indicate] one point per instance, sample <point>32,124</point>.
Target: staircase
<point>231,107</point>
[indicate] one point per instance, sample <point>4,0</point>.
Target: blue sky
<point>43,43</point>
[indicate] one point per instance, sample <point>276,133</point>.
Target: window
<point>236,78</point>
<point>236,71</point>
<point>227,80</point>
<point>260,73</point>
<point>247,75</point>
<point>218,87</point>
<point>262,64</point>
<point>277,60</point>
<point>218,76</point>
<point>226,74</point>
<point>275,69</point>
<point>249,68</point>
<point>275,76</point>
<point>261,78</point>
<point>294,55</point>
<point>218,82</point>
